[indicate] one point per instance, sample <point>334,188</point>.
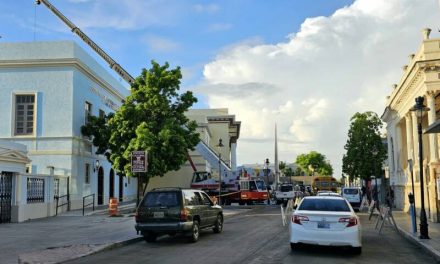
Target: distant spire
<point>276,165</point>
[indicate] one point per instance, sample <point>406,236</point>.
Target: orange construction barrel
<point>113,207</point>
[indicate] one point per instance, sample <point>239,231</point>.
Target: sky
<point>306,65</point>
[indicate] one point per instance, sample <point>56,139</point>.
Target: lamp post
<point>219,147</point>
<point>419,108</point>
<point>411,197</point>
<point>96,167</point>
<point>266,172</point>
<point>375,196</point>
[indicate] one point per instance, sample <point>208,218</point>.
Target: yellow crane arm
<point>112,63</point>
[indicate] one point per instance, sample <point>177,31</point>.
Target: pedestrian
<point>364,190</point>
<point>390,197</point>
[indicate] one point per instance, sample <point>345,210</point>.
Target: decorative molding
<point>63,62</point>
<point>13,156</point>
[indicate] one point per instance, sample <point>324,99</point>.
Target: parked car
<point>328,193</point>
<point>353,196</point>
<point>327,221</point>
<point>177,210</point>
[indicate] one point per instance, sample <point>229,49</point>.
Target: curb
<point>416,241</point>
<point>36,257</point>
<point>109,247</point>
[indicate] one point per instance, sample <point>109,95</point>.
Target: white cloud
<point>125,14</point>
<point>312,83</point>
<point>160,44</point>
<point>210,8</point>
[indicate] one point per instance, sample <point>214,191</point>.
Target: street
<point>257,236</point>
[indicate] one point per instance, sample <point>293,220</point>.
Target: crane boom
<point>112,63</point>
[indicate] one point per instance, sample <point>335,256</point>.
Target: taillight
<point>298,219</point>
<point>183,215</point>
<point>136,217</point>
<point>350,221</point>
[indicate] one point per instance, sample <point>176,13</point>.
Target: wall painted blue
<point>63,77</point>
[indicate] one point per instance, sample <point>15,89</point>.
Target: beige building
<point>421,77</point>
<point>213,124</point>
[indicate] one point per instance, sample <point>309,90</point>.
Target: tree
<point>314,162</point>
<point>282,165</point>
<point>365,150</point>
<point>152,118</point>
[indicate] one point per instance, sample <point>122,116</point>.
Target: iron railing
<point>60,205</point>
<point>92,203</point>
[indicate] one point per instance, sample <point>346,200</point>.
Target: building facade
<point>213,125</point>
<point>421,77</point>
<point>47,90</point>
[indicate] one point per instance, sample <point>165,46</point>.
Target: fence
<point>92,203</point>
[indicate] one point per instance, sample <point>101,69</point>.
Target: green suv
<point>177,210</point>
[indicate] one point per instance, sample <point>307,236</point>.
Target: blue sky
<point>306,65</point>
<point>188,33</point>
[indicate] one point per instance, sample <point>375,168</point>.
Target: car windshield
<point>335,205</point>
<point>286,188</point>
<point>161,199</point>
<point>351,191</point>
<point>260,185</point>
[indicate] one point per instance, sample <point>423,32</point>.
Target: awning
<point>433,128</point>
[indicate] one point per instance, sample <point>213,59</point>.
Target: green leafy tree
<point>314,163</point>
<point>288,172</point>
<point>282,165</point>
<point>365,150</point>
<point>152,118</point>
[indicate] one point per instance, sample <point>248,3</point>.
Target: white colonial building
<point>421,77</point>
<point>47,90</point>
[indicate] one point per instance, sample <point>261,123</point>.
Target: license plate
<point>325,225</point>
<point>158,214</point>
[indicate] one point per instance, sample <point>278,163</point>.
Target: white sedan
<point>327,221</point>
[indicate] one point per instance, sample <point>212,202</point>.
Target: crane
<point>111,62</point>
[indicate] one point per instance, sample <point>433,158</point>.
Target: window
<point>24,114</point>
<point>207,199</point>
<point>192,198</point>
<point>159,199</point>
<point>87,174</point>
<point>101,113</point>
<point>87,112</point>
<point>337,205</point>
<point>351,191</point>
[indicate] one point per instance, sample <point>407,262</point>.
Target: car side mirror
<point>294,206</point>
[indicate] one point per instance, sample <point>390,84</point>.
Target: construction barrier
<point>113,207</point>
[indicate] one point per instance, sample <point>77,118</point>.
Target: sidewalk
<point>70,235</point>
<point>431,246</point>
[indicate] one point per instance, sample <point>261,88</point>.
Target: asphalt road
<point>257,236</point>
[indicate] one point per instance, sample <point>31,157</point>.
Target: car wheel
<point>293,246</point>
<point>218,224</point>
<point>195,232</point>
<point>357,250</point>
<point>150,237</point>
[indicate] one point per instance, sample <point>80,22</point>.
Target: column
<point>409,137</point>
<point>433,145</point>
<point>233,156</point>
<point>415,139</point>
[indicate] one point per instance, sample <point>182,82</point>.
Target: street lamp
<point>266,172</point>
<point>419,108</point>
<point>375,194</point>
<point>96,167</point>
<point>412,200</point>
<point>219,147</point>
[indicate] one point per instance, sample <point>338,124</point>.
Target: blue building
<point>47,90</point>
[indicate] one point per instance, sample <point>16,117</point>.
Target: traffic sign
<point>139,161</point>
